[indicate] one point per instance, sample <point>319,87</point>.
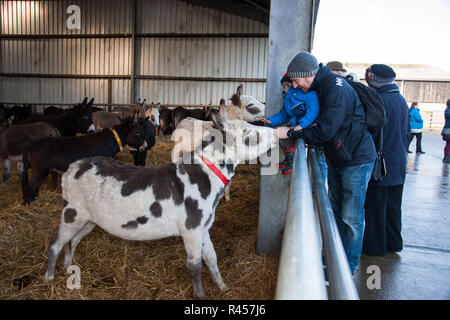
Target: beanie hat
<point>382,75</point>
<point>304,65</point>
<point>285,78</point>
<point>336,66</point>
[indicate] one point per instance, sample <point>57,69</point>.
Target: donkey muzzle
<point>91,128</point>
<point>144,146</point>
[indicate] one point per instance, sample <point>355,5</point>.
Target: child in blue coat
<point>300,110</point>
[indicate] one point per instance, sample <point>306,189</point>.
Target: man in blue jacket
<point>347,143</point>
<point>384,198</point>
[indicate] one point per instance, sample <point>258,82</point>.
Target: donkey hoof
<point>202,297</point>
<point>200,294</point>
<point>48,277</point>
<point>223,288</point>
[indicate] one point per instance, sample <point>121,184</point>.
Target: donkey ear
<point>239,90</point>
<point>141,111</point>
<point>138,101</point>
<point>135,117</point>
<point>217,120</point>
<point>90,103</point>
<point>143,102</point>
<point>84,101</point>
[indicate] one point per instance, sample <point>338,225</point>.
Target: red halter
<point>215,170</point>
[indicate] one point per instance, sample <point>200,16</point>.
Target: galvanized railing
<point>301,272</point>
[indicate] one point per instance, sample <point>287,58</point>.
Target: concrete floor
<point>422,269</point>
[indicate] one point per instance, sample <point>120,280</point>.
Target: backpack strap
<point>380,140</point>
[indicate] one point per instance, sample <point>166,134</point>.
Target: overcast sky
<point>384,31</point>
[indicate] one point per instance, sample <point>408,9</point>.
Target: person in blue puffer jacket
<point>416,125</point>
<point>300,110</point>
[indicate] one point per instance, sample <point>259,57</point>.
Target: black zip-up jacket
<point>346,140</point>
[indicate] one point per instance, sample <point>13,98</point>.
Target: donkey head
<point>131,131</point>
<point>247,107</point>
<point>242,141</point>
<point>153,113</point>
<point>165,120</point>
<point>82,116</point>
<point>5,114</point>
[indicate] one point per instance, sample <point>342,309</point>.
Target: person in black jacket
<point>384,198</point>
<point>348,145</point>
<point>447,128</point>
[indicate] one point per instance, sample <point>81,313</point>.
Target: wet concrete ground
<point>422,269</point>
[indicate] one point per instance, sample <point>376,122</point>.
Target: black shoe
<point>420,152</point>
<point>408,151</point>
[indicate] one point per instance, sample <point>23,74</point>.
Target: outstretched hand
<point>266,121</point>
<point>295,134</point>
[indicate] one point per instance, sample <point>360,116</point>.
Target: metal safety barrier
<point>301,274</point>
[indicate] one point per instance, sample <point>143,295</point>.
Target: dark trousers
<point>418,140</point>
<point>383,223</point>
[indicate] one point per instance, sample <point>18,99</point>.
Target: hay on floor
<point>112,268</point>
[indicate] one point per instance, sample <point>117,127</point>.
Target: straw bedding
<point>112,268</point>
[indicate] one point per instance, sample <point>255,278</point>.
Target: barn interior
<point>178,53</point>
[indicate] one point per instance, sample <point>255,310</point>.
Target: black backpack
<point>373,106</point>
<point>375,111</point>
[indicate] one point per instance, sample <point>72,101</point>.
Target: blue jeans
<point>347,188</point>
<point>322,163</point>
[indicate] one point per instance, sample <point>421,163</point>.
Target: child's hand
<point>297,128</point>
<point>292,134</point>
<point>266,121</point>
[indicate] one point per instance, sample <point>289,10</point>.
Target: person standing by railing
<point>384,198</point>
<point>416,125</point>
<point>446,134</point>
<point>348,146</point>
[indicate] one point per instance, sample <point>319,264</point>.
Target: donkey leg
<point>32,190</point>
<point>142,157</point>
<point>135,154</point>
<point>70,247</point>
<point>193,244</point>
<point>6,169</point>
<point>227,191</point>
<point>66,232</point>
<point>210,258</point>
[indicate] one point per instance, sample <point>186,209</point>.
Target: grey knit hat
<point>303,65</point>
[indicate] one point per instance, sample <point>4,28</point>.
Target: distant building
<point>425,84</point>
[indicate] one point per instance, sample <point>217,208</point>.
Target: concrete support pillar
<point>290,32</point>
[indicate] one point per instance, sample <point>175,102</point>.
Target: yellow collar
<point>117,139</point>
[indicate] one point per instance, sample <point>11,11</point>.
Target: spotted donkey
<point>145,203</point>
